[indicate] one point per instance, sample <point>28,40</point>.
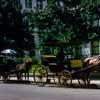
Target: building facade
<point>27,6</point>
<point>32,4</point>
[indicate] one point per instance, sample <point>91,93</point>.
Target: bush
<point>3,60</point>
<point>34,60</point>
<point>33,68</point>
<point>19,60</point>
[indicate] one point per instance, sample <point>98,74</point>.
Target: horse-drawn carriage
<point>7,66</point>
<point>10,66</point>
<point>78,70</point>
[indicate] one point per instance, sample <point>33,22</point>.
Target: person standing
<point>60,59</point>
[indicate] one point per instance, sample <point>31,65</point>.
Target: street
<point>33,92</point>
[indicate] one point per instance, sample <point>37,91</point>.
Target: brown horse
<point>23,68</point>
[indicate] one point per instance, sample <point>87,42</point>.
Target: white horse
<point>92,61</point>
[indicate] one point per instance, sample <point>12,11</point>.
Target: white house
<point>31,4</point>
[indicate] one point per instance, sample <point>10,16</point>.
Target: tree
<point>68,20</point>
<point>12,27</point>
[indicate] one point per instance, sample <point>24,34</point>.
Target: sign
<point>76,63</point>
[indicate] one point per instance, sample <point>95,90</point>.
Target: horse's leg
<point>28,75</point>
<point>25,75</point>
<point>19,75</point>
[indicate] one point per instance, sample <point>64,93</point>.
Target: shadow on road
<point>91,86</point>
<point>17,82</point>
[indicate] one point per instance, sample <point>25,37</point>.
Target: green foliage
<point>60,21</point>
<point>3,60</point>
<point>33,68</point>
<point>67,20</point>
<point>19,60</point>
<point>34,60</point>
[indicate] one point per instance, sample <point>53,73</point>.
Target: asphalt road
<point>33,92</point>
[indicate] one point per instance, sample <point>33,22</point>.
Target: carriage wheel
<point>65,78</point>
<point>40,75</point>
<point>5,76</point>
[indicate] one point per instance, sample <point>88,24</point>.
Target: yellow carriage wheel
<point>40,75</point>
<point>65,78</point>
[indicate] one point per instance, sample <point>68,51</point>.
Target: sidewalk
<point>94,83</point>
<point>95,79</point>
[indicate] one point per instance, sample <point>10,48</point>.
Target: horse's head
<point>28,62</point>
<point>86,62</point>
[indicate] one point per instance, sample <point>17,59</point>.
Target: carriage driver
<point>60,59</point>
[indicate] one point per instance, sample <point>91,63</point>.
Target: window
<point>40,4</point>
<point>28,3</point>
<point>95,47</point>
